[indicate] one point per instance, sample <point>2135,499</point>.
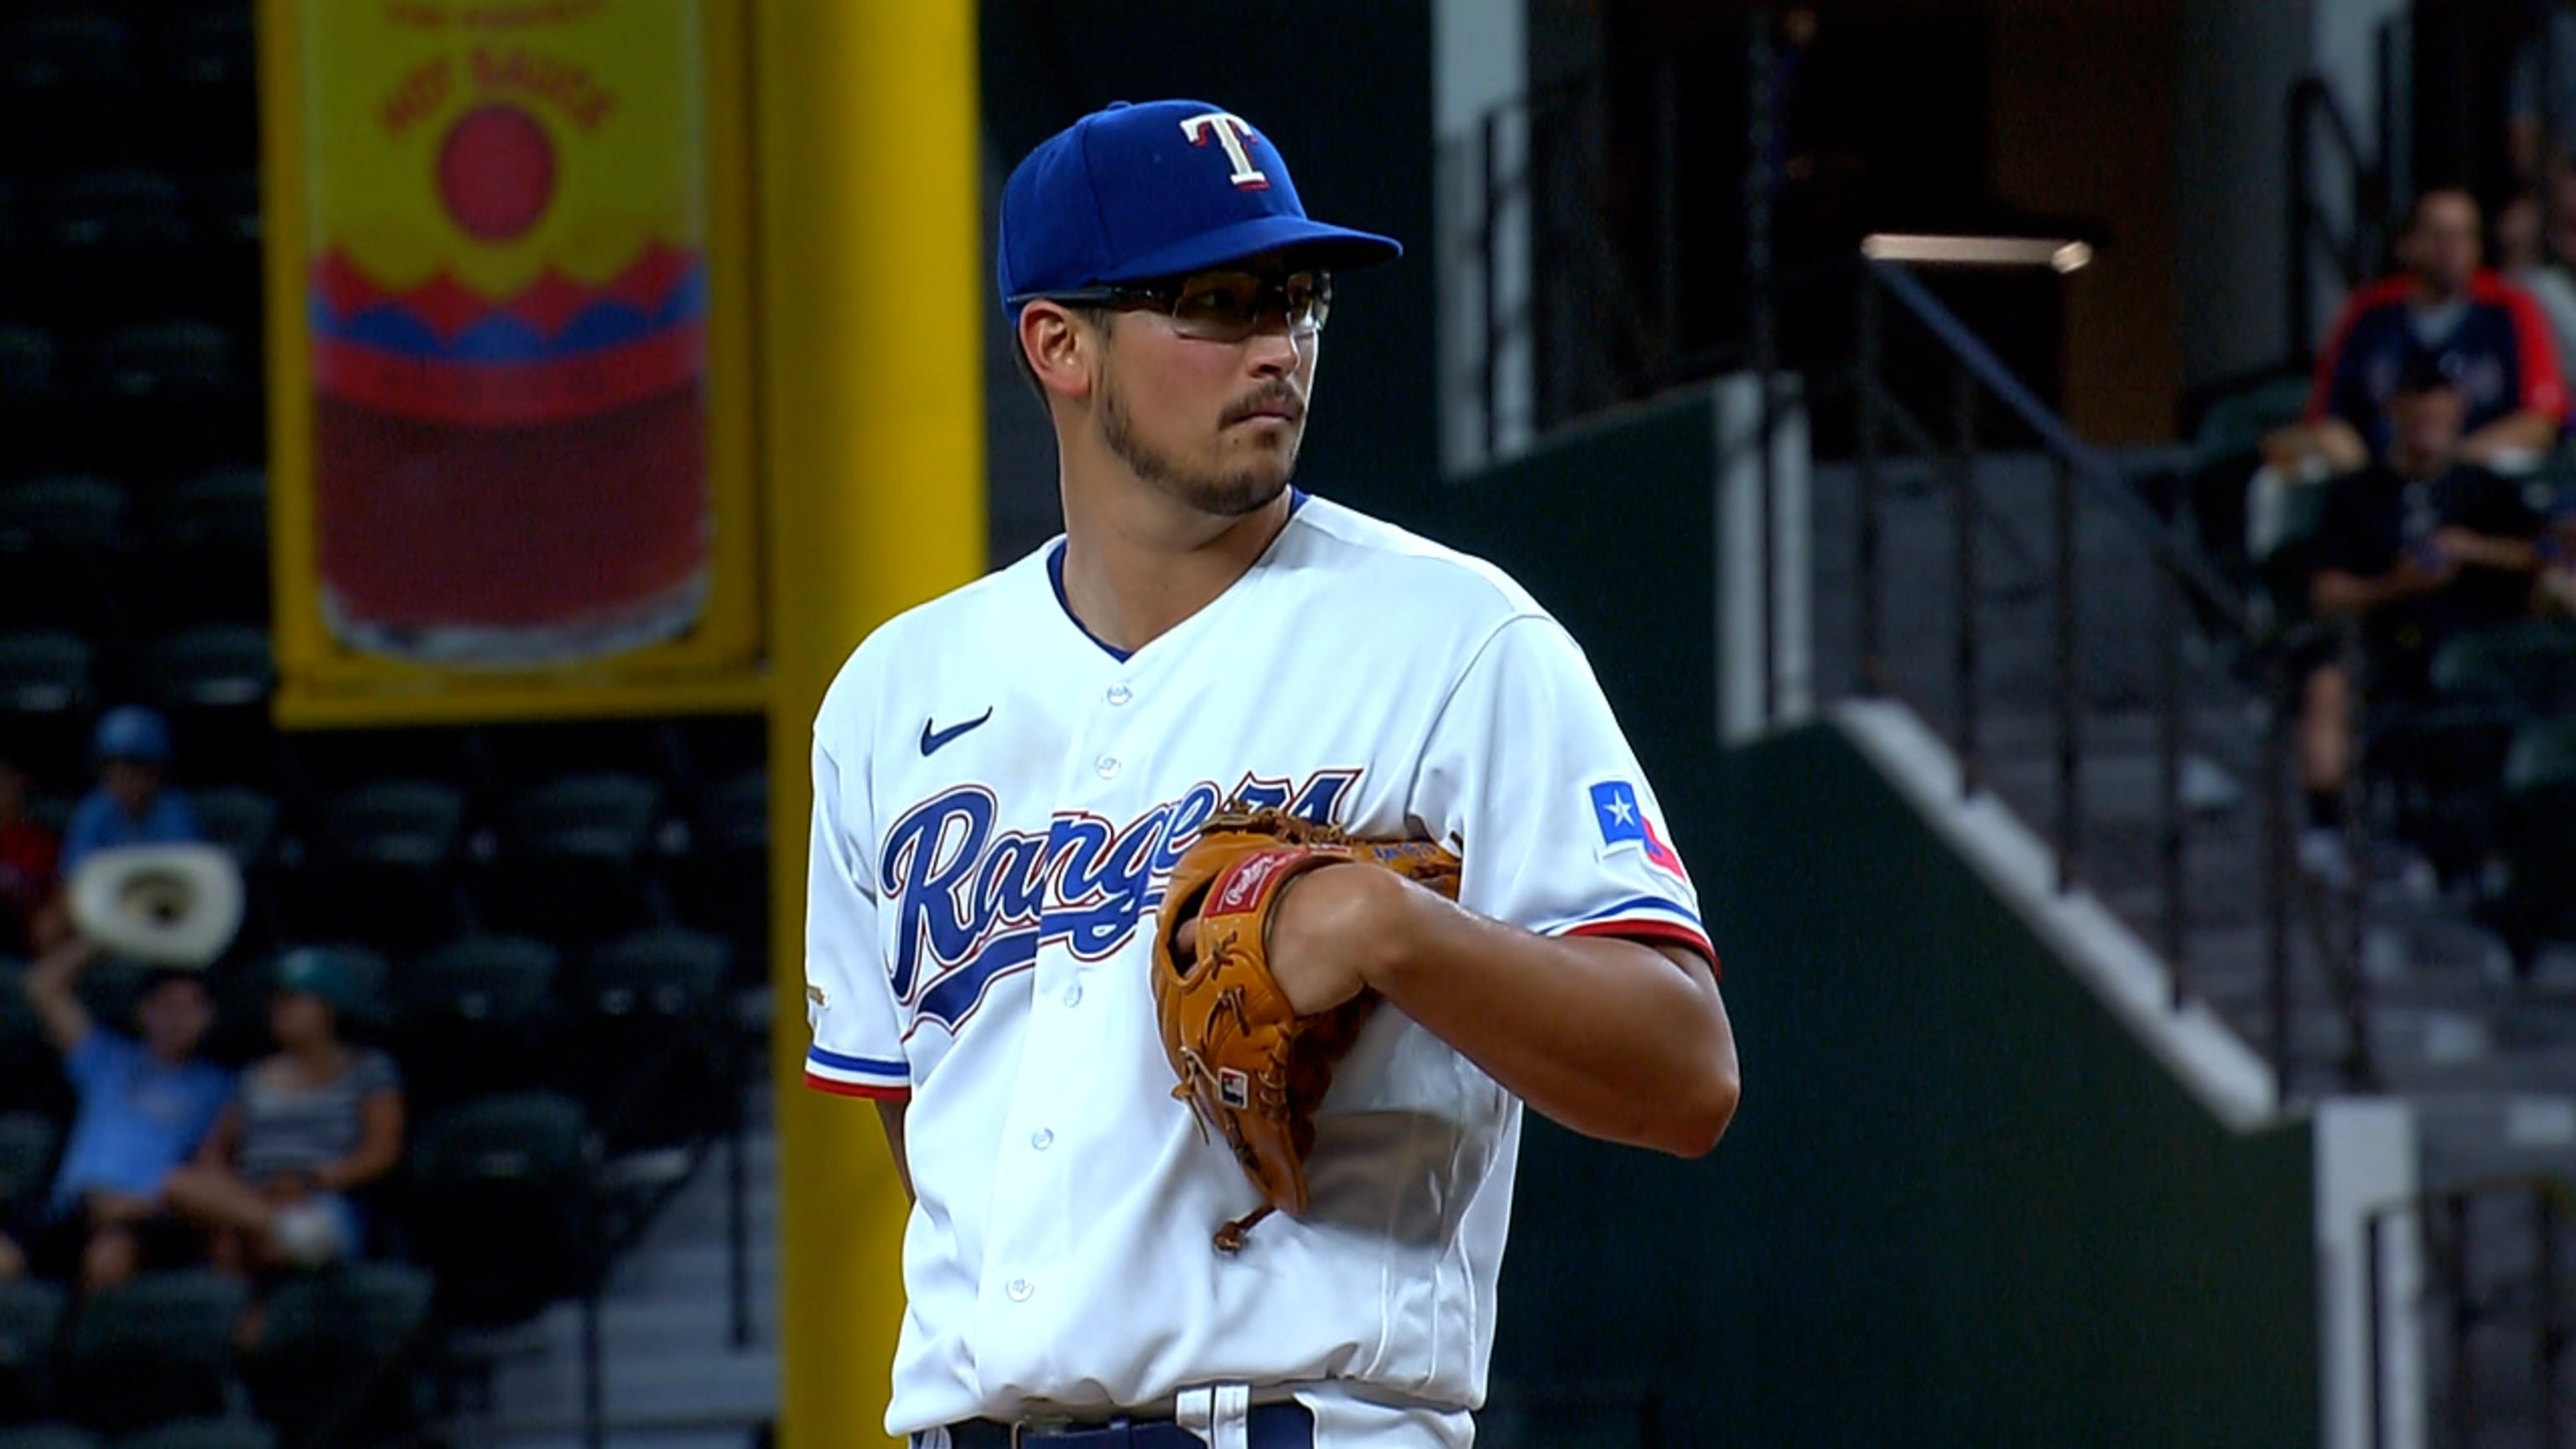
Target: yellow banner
<point>510,374</point>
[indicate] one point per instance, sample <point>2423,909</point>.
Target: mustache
<point>1278,397</point>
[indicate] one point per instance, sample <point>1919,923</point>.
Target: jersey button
<point>1107,766</point>
<point>1120,694</point>
<point>1019,1289</point>
<point>1073,994</point>
<point>1042,1139</point>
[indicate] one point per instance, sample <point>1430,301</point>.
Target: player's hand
<point>1327,932</point>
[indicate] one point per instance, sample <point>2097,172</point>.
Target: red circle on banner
<point>496,172</point>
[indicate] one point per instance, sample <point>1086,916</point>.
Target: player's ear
<point>1059,349</point>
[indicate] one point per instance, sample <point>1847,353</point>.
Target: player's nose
<point>1272,352</point>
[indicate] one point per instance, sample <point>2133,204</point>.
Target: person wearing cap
<point>1004,778</point>
<point>144,1103</point>
<point>311,1125</point>
<point>132,804</point>
<point>2417,548</point>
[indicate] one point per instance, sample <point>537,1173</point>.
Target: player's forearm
<point>1612,1038</point>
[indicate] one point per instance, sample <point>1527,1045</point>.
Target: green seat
<point>31,1072</point>
<point>503,1211</point>
<point>2536,841</point>
<point>644,1040</point>
<point>48,1436</point>
<point>156,1349</point>
<point>470,1019</point>
<point>202,1433</point>
<point>31,1323</point>
<point>337,1352</point>
<point>572,863</point>
<point>383,865</point>
<point>28,1142</point>
<point>2530,664</point>
<point>2235,424</point>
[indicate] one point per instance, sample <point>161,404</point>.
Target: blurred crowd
<point>2417,476</point>
<point>174,1159</point>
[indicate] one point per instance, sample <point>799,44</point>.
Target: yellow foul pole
<point>870,281</point>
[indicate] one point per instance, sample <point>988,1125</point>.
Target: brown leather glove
<point>1250,1067</point>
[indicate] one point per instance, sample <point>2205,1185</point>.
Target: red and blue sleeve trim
<point>848,1076</point>
<point>1651,919</point>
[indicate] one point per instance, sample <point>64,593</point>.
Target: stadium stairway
<point>673,1378</point>
<point>2489,1065</point>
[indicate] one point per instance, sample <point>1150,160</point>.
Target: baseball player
<point>1004,779</point>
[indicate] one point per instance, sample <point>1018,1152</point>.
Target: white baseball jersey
<point>998,797</point>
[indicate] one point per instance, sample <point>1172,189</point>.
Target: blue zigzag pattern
<point>502,338</point>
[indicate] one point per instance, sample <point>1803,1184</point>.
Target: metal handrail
<point>2180,575</point>
<point>2107,485</point>
<point>2552,1205</point>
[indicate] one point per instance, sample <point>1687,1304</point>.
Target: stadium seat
<point>336,1353</point>
<point>241,820</point>
<point>470,1019</point>
<point>45,699</point>
<point>164,396</point>
<point>205,65</point>
<point>2536,841</point>
<point>723,883</point>
<point>155,1349</point>
<point>502,1207</point>
<point>60,542</point>
<point>380,866</point>
<point>114,245</point>
<point>205,554</point>
<point>2225,450</point>
<point>67,83</point>
<point>201,1433</point>
<point>31,1072</point>
<point>32,434</point>
<point>645,1043</point>
<point>48,1436</point>
<point>2529,666</point>
<point>28,1142</point>
<point>31,1324</point>
<point>2441,763</point>
<point>214,683</point>
<point>571,865</point>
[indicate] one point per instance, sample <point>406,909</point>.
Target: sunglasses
<point>1224,306</point>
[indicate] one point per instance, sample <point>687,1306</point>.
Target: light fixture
<point>1977,251</point>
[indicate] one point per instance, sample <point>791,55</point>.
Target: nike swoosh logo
<point>932,739</point>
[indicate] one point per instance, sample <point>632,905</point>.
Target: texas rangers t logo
<point>1231,133</point>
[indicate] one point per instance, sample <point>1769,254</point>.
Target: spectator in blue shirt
<point>131,805</point>
<point>144,1106</point>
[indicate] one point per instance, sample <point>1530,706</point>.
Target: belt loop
<point>1220,1415</point>
<point>1233,1417</point>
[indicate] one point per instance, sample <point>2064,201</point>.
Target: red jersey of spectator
<point>27,855</point>
<point>2496,349</point>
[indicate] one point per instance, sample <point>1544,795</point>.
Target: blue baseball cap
<point>1134,192</point>
<point>131,732</point>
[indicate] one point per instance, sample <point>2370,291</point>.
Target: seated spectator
<point>31,920</point>
<point>131,805</point>
<point>2418,549</point>
<point>2442,305</point>
<point>308,1126</point>
<point>144,1106</point>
